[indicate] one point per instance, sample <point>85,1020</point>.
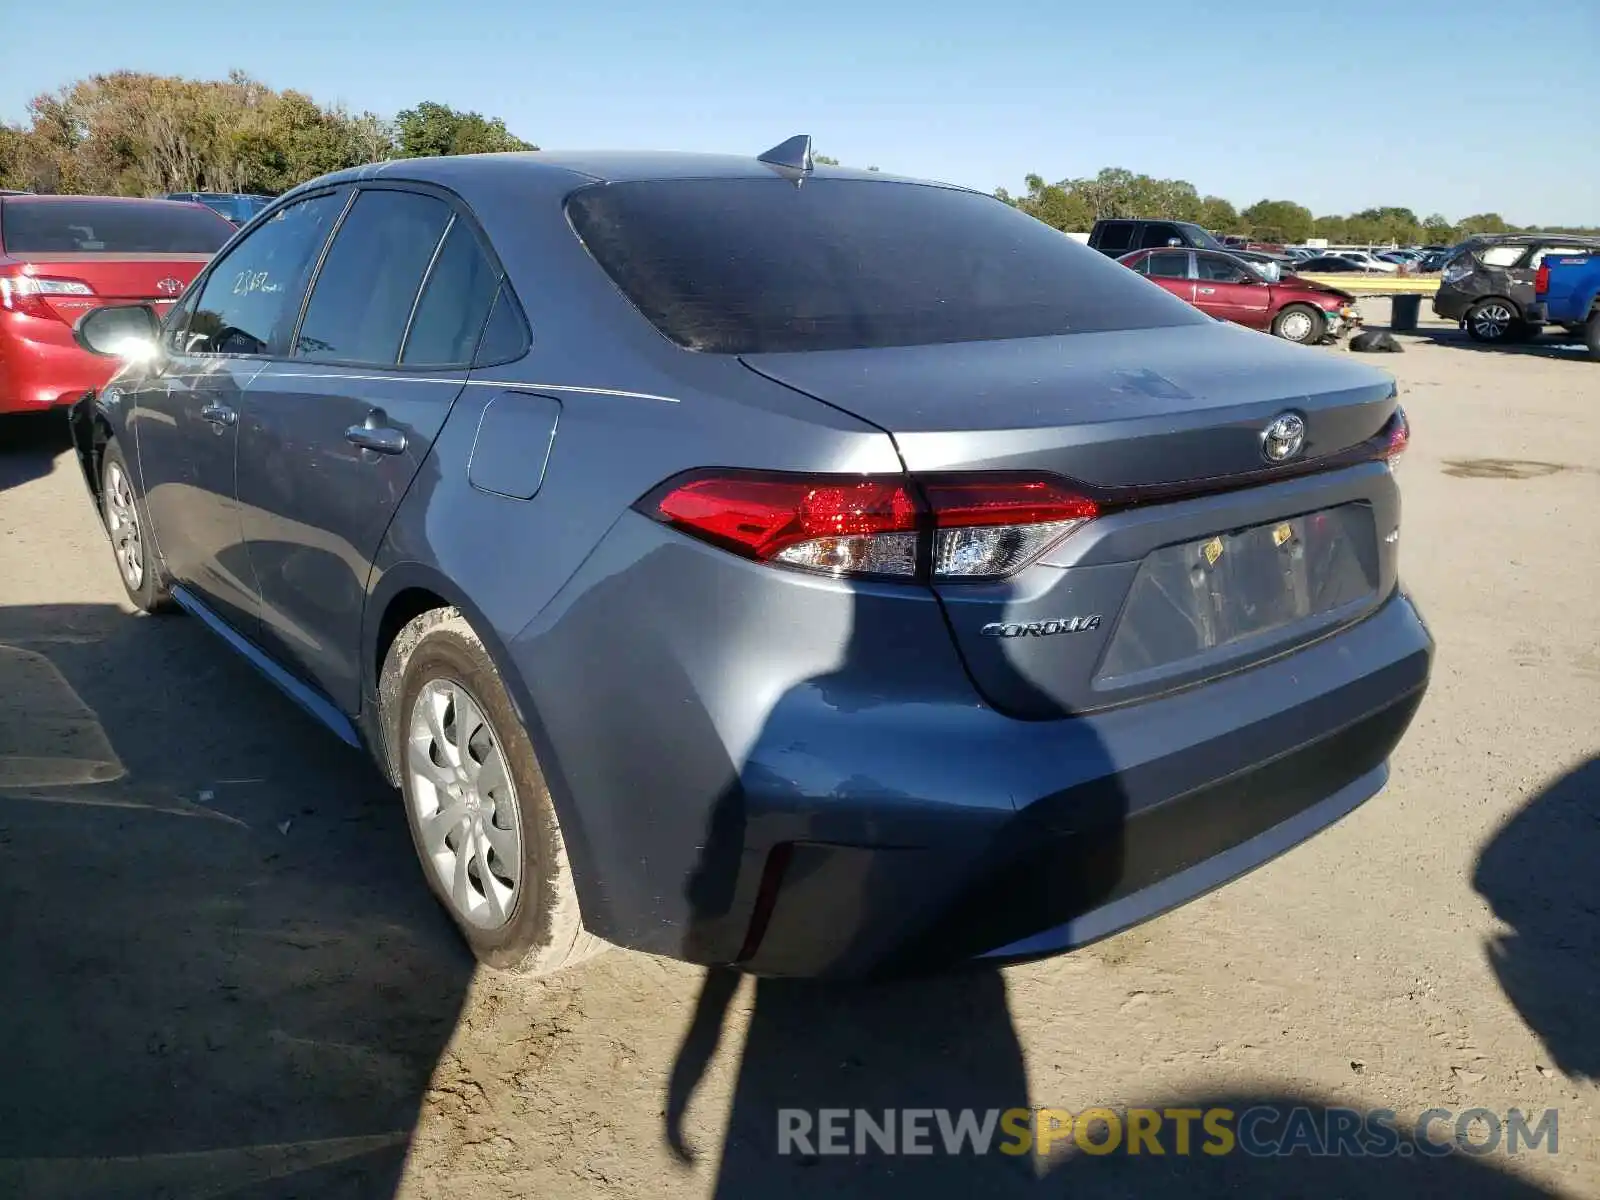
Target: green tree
<point>1437,231</point>
<point>432,129</point>
<point>1279,220</point>
<point>1491,222</point>
<point>1333,228</point>
<point>1219,216</point>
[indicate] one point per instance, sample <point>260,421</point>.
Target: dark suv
<point>1118,237</point>
<point>1487,283</point>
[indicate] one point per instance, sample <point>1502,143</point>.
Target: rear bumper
<point>41,366</point>
<point>839,826</point>
<point>1451,304</point>
<point>1096,846</point>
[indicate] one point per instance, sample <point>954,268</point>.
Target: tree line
<point>1073,205</point>
<point>135,134</point>
<point>132,133</point>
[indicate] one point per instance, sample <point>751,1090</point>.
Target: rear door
<point>1230,291</point>
<point>1174,271</point>
<point>334,435</point>
<point>103,251</point>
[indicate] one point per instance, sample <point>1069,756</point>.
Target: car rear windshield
<point>110,226</point>
<point>746,266</point>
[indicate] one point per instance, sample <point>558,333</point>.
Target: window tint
<point>368,283</point>
<point>1158,233</point>
<point>110,226</point>
<point>737,266</point>
<point>251,296</point>
<point>505,337</point>
<point>1169,264</point>
<point>454,303</point>
<point>1116,235</point>
<point>1218,270</point>
<point>1141,265</point>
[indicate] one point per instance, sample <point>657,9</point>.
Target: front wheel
<point>1493,320</point>
<point>480,813</point>
<point>1300,323</point>
<point>137,563</point>
<point>1591,335</point>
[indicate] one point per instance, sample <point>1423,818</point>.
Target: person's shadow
<point>1539,875</point>
<point>905,1039</point>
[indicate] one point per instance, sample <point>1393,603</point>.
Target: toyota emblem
<point>1284,438</point>
<point>169,286</point>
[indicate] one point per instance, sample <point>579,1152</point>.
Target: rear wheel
<point>476,800</point>
<point>120,508</point>
<point>1300,323</point>
<point>1591,335</point>
<point>1493,320</point>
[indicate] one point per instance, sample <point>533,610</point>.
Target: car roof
<point>568,169</point>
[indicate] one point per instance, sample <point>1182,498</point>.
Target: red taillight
<point>1399,437</point>
<point>949,527</point>
<point>26,294</point>
<point>1541,279</point>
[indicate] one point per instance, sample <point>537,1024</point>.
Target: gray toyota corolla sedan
<point>768,565</point>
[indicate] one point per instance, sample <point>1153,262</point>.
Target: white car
<point>1366,261</point>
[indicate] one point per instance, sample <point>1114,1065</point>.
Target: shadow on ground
<point>221,972</point>
<point>1539,875</point>
<point>30,444</point>
<point>1557,345</point>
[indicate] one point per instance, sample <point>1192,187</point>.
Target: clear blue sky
<point>1299,102</point>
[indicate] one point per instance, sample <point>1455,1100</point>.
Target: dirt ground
<point>220,974</point>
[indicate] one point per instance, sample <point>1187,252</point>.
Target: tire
<point>126,523</point>
<point>1591,335</point>
<point>1300,323</point>
<point>500,868</point>
<point>1493,321</point>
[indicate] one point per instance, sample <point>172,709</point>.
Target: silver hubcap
<point>122,522</point>
<point>1297,326</point>
<point>465,804</point>
<point>1492,320</point>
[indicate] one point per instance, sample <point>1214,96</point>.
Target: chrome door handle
<point>1208,291</point>
<point>219,415</point>
<point>375,434</point>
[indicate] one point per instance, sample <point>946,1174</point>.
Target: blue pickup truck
<point>1566,291</point>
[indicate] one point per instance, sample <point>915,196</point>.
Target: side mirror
<point>118,331</point>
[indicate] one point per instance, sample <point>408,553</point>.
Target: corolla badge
<point>1283,438</point>
<point>1011,629</point>
<point>169,286</point>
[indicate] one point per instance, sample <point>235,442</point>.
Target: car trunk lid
<point>112,278</point>
<point>1188,573</point>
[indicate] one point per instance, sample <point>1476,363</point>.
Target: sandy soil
<point>220,974</point>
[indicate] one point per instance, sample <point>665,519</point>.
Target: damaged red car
<point>1225,287</point>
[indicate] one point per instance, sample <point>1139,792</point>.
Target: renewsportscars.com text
<point>1261,1131</point>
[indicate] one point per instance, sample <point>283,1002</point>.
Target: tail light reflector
<point>1399,431</point>
<point>26,294</point>
<point>1541,279</point>
<point>948,527</point>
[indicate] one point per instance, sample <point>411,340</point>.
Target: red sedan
<point>61,256</point>
<point>1229,289</point>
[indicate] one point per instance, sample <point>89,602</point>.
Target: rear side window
<point>454,304</point>
<point>250,297</point>
<point>505,336</point>
<point>1116,236</point>
<point>110,227</point>
<point>367,287</point>
<point>1501,256</point>
<point>742,266</point>
<point>1169,264</point>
